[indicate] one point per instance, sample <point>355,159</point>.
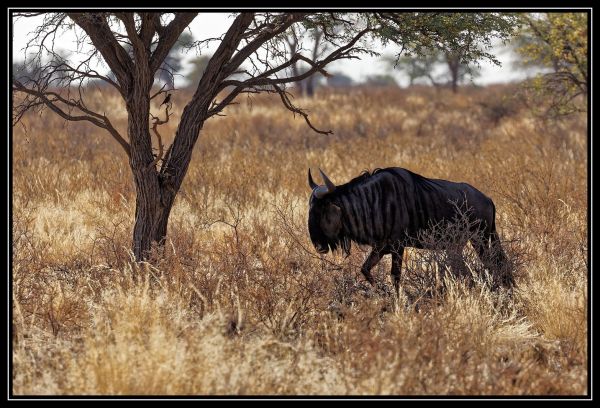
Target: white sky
<point>215,24</point>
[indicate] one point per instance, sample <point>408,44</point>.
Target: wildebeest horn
<point>311,182</point>
<point>321,191</point>
<point>328,183</point>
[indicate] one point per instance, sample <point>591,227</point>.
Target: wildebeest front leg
<point>397,267</point>
<point>370,262</point>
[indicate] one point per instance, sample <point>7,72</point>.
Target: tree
<point>415,68</point>
<point>381,80</point>
<point>457,71</point>
<point>339,80</point>
<point>295,42</point>
<point>254,38</point>
<point>199,65</point>
<point>172,63</point>
<point>21,71</point>
<point>557,42</point>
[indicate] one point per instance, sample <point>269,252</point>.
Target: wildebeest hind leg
<point>495,261</point>
<point>458,265</point>
<point>484,253</point>
<point>397,267</point>
<point>370,262</point>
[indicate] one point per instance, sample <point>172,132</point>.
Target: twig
<point>156,122</point>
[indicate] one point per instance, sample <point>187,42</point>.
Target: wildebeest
<point>389,209</point>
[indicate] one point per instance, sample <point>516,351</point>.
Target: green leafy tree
<point>468,44</point>
<point>558,43</point>
<point>415,68</point>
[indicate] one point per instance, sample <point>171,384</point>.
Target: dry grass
<point>240,303</point>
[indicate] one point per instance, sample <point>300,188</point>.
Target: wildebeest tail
<point>500,260</point>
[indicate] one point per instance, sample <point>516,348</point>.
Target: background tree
<point>173,61</point>
<point>558,43</point>
<point>256,39</point>
<point>380,80</point>
<point>415,68</point>
<point>339,80</point>
<point>296,40</point>
<point>199,65</point>
<point>455,70</point>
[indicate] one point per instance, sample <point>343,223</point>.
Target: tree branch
<point>168,36</point>
<point>95,118</point>
<point>288,104</point>
<point>259,40</point>
<point>139,48</point>
<point>157,122</point>
<point>96,27</point>
<point>316,66</point>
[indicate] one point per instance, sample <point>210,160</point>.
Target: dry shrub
<point>451,248</point>
<point>238,301</point>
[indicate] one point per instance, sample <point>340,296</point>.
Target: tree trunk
<point>299,84</point>
<point>153,203</point>
<point>300,88</point>
<point>156,191</point>
<point>454,83</point>
<point>152,210</point>
<point>454,68</point>
<point>310,86</point>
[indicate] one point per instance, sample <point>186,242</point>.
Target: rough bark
<point>149,210</point>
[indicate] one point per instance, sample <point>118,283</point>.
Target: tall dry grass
<point>240,303</point>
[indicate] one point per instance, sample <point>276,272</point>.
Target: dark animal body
<point>391,208</point>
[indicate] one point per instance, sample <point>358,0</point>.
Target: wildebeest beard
<point>342,241</point>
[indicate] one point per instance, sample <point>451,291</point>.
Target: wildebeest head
<point>324,216</point>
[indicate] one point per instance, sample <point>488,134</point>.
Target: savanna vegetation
<point>239,302</point>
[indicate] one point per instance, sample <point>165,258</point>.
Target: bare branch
<point>168,36</point>
<point>97,28</point>
<point>52,99</point>
<point>275,29</point>
<point>288,104</point>
<point>160,91</point>
<point>344,52</point>
<point>157,122</point>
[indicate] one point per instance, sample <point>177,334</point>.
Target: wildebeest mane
<point>365,175</point>
<point>418,180</point>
